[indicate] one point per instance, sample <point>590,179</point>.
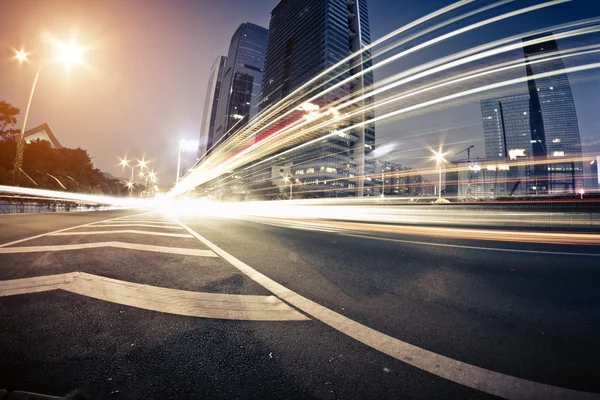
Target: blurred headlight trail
<point>77,197</point>
<point>357,215</point>
<point>301,120</point>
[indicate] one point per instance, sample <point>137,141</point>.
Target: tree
<point>8,119</point>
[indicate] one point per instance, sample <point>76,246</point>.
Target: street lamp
<point>290,179</point>
<point>439,157</point>
<point>68,54</point>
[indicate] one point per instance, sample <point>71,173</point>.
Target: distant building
<point>507,132</point>
<point>305,38</point>
<point>537,130</point>
<point>554,127</point>
<point>42,132</point>
<point>391,179</point>
<point>480,179</point>
<point>241,86</point>
<point>209,114</point>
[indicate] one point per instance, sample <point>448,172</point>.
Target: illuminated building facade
<point>305,38</point>
<point>554,127</point>
<point>209,114</point>
<point>241,86</point>
<point>507,132</point>
<point>538,129</point>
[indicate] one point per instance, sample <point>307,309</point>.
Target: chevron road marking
<point>49,233</point>
<point>72,233</point>
<point>138,225</point>
<point>139,221</point>
<point>487,381</point>
<point>172,301</point>
<point>119,245</point>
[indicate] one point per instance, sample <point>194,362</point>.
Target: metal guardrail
<point>45,206</point>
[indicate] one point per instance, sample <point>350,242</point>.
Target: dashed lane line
<point>482,379</point>
<point>118,245</point>
<point>172,301</point>
<point>133,231</point>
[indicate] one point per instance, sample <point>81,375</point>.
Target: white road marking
<point>559,253</point>
<point>71,233</point>
<point>53,232</point>
<point>139,221</point>
<point>487,381</point>
<point>138,225</point>
<point>172,301</point>
<point>118,245</point>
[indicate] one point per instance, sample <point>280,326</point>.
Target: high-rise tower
<point>305,38</point>
<point>241,87</point>
<point>211,101</point>
<point>554,128</point>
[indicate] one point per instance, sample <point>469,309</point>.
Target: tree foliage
<point>48,168</point>
<point>56,169</point>
<point>8,119</point>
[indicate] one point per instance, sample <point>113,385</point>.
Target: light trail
<point>240,150</point>
<point>36,194</point>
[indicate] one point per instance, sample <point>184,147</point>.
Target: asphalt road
<point>313,311</point>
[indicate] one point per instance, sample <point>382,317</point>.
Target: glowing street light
<point>21,55</point>
<point>290,179</point>
<point>69,54</point>
<point>439,157</point>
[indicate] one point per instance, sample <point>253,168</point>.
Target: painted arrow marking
<point>172,301</point>
<point>119,245</point>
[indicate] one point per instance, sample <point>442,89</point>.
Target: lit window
<point>557,140</point>
<point>558,154</point>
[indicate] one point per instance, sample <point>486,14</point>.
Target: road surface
<point>132,304</point>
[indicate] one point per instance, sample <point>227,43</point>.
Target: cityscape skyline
<point>167,135</point>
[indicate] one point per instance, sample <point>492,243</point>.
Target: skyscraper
<point>507,132</point>
<point>305,38</point>
<point>538,129</point>
<point>211,101</point>
<point>242,77</point>
<point>554,127</point>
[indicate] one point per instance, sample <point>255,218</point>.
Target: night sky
<point>147,62</point>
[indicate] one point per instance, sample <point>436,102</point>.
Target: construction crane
<point>468,150</point>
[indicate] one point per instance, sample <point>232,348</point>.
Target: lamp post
<point>290,179</point>
<point>69,54</point>
<point>125,163</point>
<point>439,157</point>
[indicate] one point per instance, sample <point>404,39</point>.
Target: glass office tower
<point>554,128</point>
<point>305,38</point>
<point>241,87</point>
<point>209,114</point>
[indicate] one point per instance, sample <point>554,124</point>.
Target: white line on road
<point>172,301</point>
<point>119,245</point>
<point>140,221</point>
<point>559,253</point>
<point>53,232</point>
<point>482,379</point>
<point>138,225</point>
<point>72,233</point>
